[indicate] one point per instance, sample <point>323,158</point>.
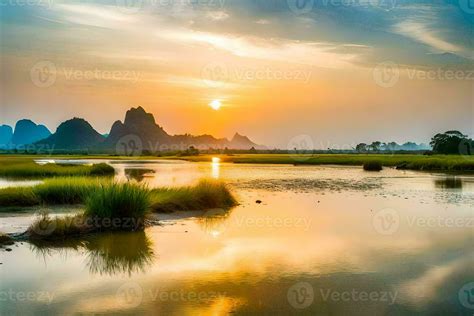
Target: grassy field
<point>104,196</point>
<point>109,205</point>
<point>24,167</point>
<point>413,162</point>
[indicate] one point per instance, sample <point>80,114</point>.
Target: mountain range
<point>26,132</point>
<point>139,130</point>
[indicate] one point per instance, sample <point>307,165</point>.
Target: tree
<point>375,146</point>
<point>451,142</point>
<point>362,147</point>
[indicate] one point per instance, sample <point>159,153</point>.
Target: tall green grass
<point>119,200</point>
<point>69,190</point>
<point>205,195</point>
<point>106,198</point>
<point>29,169</point>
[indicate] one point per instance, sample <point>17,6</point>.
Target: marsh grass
<point>22,169</point>
<point>448,163</point>
<point>206,194</point>
<point>119,200</point>
<point>46,227</point>
<point>18,196</point>
<point>107,254</point>
<point>109,206</point>
<point>372,166</point>
<point>69,190</point>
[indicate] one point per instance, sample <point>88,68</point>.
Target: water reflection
<point>111,253</point>
<point>451,182</point>
<point>215,167</point>
<point>214,221</point>
<point>137,174</point>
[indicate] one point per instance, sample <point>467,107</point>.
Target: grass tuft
<point>372,165</point>
<point>119,200</point>
<point>206,194</point>
<point>69,190</point>
<point>23,169</point>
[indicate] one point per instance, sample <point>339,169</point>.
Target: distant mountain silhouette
<point>76,133</point>
<point>138,131</point>
<point>28,132</point>
<point>141,125</point>
<point>242,142</point>
<point>6,133</point>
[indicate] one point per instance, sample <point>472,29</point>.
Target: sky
<point>329,72</point>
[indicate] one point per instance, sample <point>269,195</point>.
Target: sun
<point>215,104</point>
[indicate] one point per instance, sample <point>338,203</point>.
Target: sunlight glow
<point>215,104</point>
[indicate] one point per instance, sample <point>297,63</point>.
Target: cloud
<point>217,15</point>
<point>319,54</point>
<point>423,33</point>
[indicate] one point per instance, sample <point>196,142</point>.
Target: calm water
<point>324,241</point>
